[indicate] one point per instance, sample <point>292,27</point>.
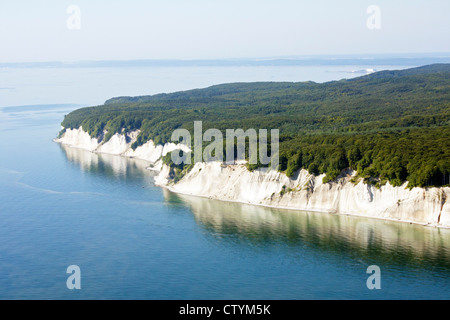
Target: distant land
<point>375,60</point>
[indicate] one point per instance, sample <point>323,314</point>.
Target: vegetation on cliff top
<point>389,126</point>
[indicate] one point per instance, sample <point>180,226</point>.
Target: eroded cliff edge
<point>429,206</point>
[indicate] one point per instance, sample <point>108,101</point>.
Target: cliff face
<point>270,188</point>
<point>307,192</point>
<point>118,145</point>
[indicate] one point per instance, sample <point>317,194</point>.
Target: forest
<point>388,126</point>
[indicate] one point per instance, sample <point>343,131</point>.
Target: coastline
<point>310,210</point>
<point>233,183</point>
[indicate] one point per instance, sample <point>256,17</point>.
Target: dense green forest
<point>389,126</point>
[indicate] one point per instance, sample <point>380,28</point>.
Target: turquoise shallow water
<point>61,206</point>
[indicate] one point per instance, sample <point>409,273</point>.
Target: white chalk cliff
<point>119,145</point>
<point>429,206</point>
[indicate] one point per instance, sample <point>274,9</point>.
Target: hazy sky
<point>208,29</point>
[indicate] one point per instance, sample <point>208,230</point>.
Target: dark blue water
<point>61,206</point>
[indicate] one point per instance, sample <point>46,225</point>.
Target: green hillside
<point>389,126</point>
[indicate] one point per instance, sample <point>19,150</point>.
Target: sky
<point>45,30</point>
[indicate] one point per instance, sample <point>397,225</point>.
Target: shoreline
<point>429,225</point>
<point>334,198</point>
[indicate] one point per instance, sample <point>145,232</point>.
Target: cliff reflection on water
<point>106,164</point>
<point>358,238</point>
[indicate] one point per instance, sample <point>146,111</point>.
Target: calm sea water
<point>61,206</point>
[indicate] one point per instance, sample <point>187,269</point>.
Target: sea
<point>62,207</point>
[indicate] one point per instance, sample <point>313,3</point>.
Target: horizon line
<point>286,58</point>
